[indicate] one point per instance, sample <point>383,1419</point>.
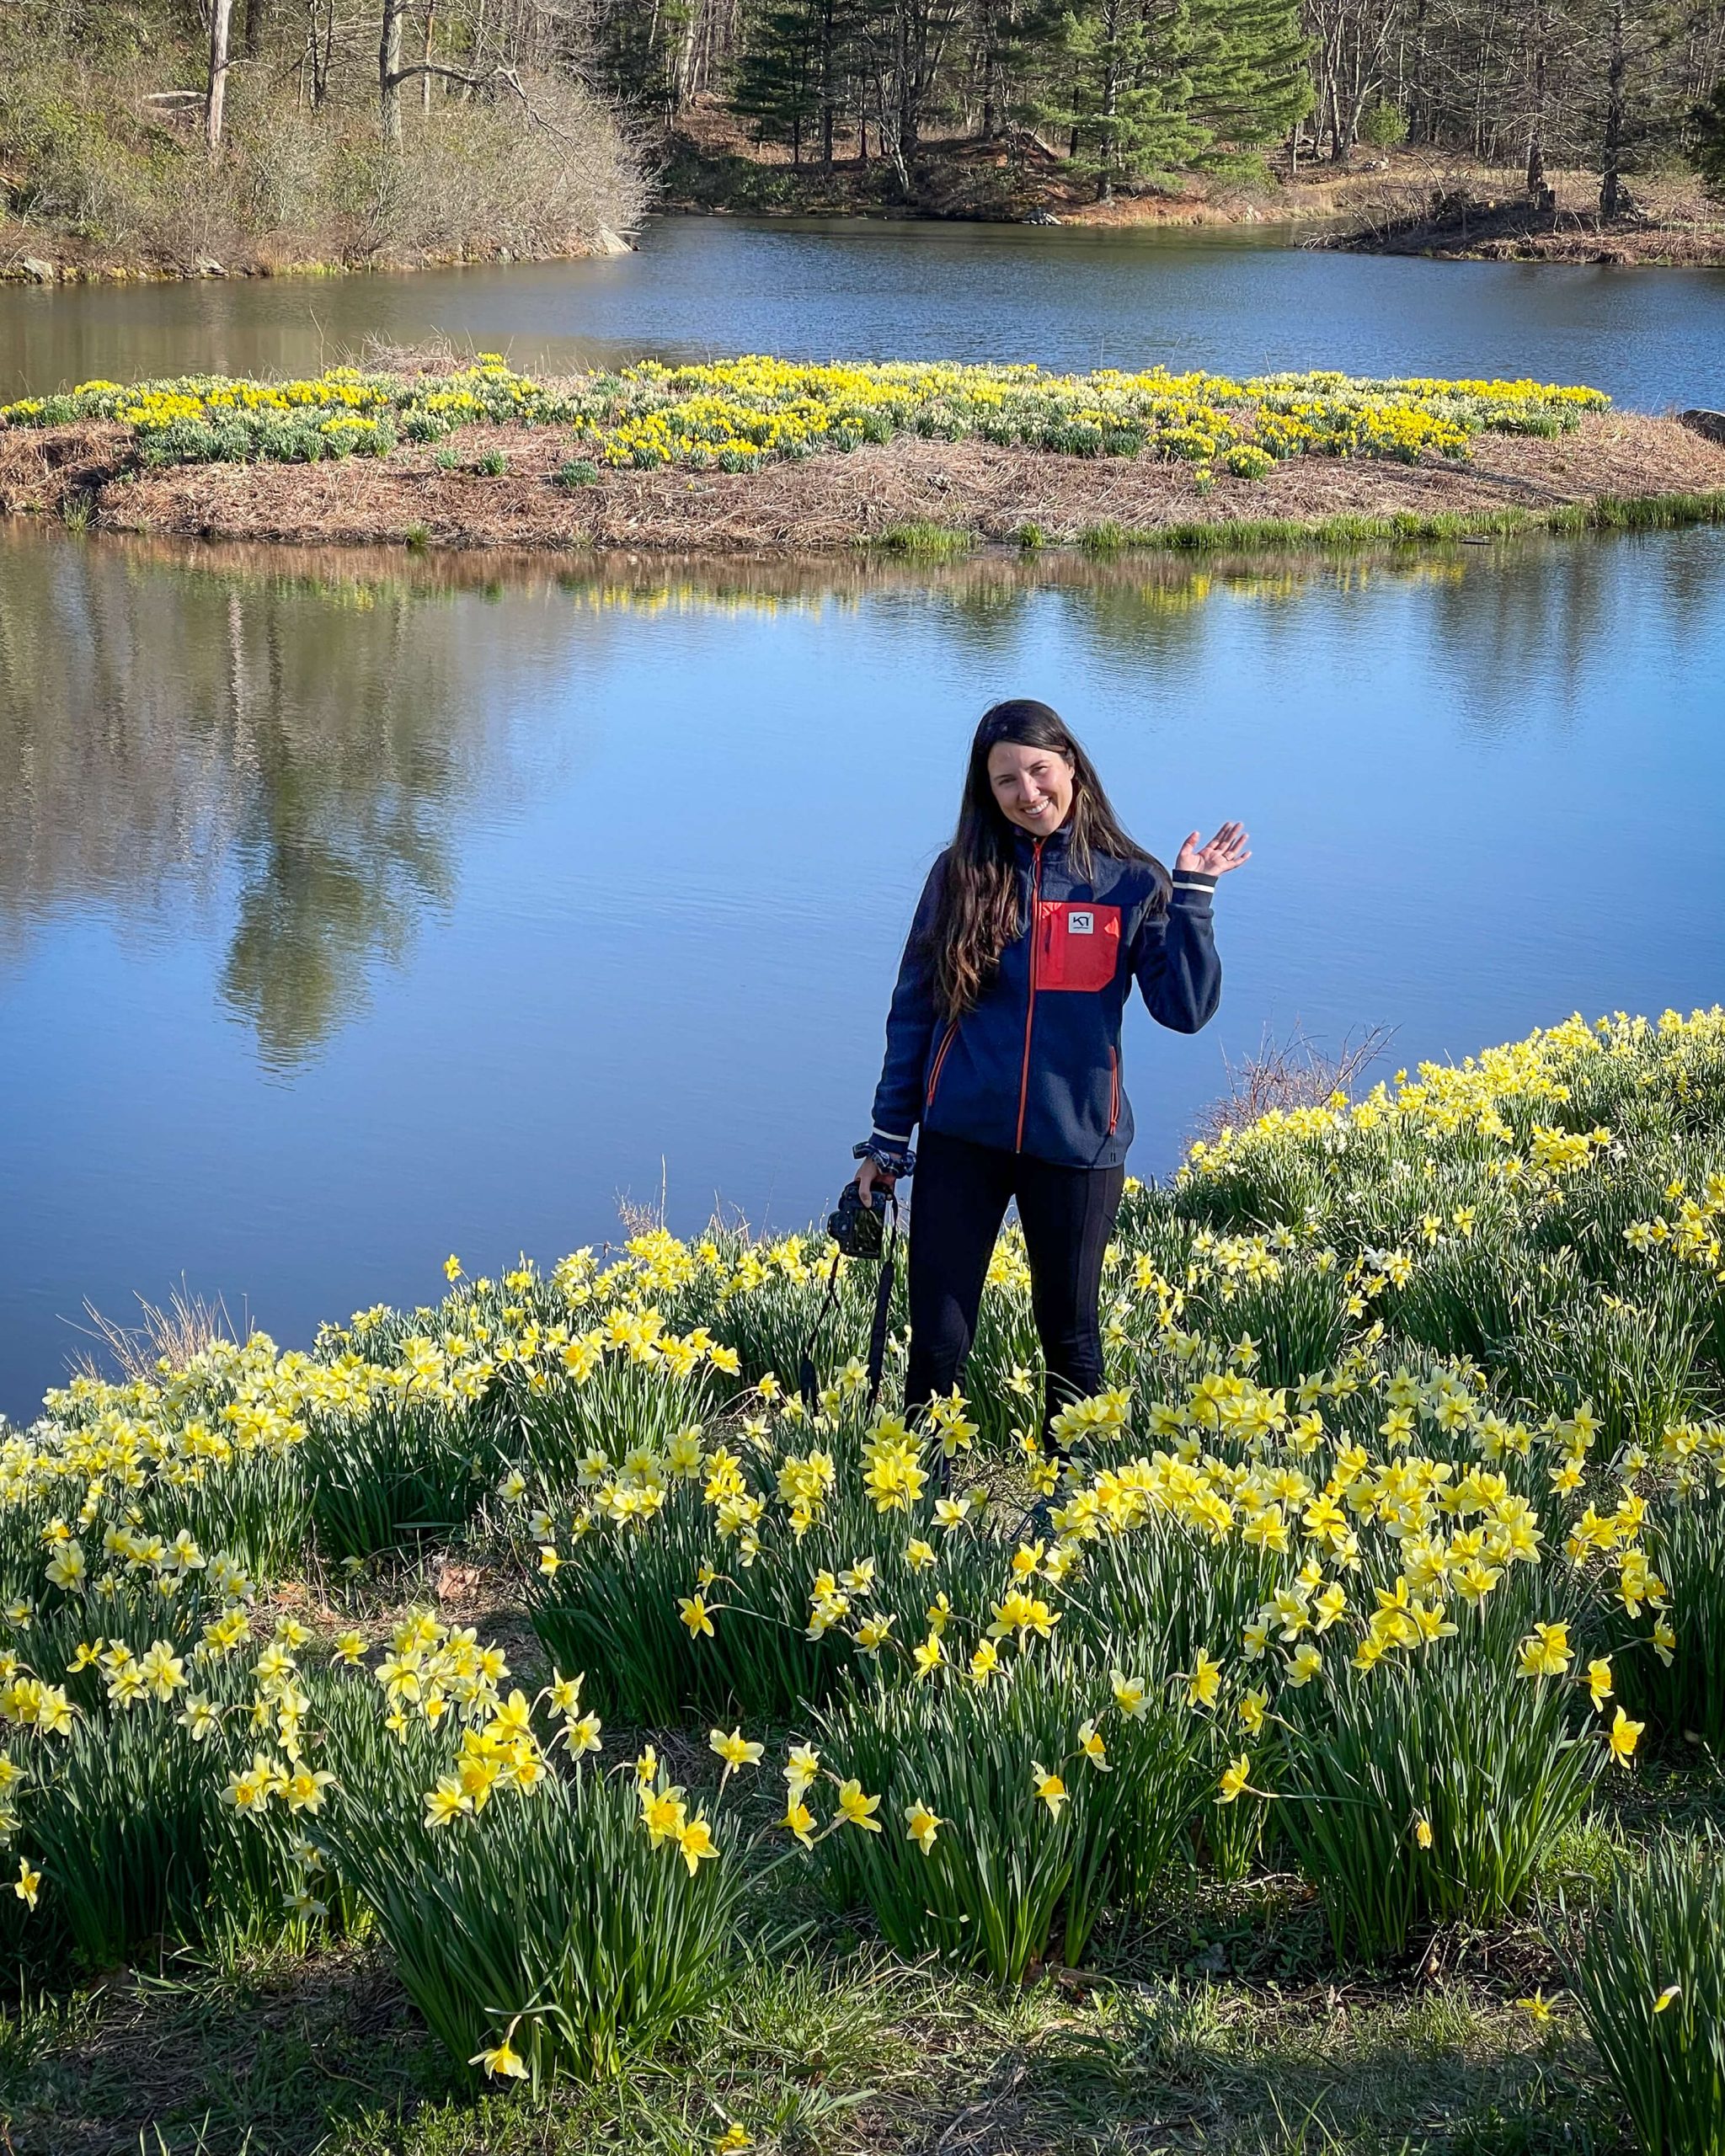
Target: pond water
<point>353,911</point>
<point>1225,297</point>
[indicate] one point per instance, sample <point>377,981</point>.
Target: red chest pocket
<point>1077,945</point>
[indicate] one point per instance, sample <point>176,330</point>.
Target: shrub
<point>1707,126</point>
<point>1382,127</point>
<point>123,1829</point>
<point>1005,1873</point>
<point>1648,1970</point>
<point>1497,1769</point>
<point>394,1478</point>
<point>1684,1695</point>
<point>1246,460</point>
<point>304,185</point>
<point>548,1921</point>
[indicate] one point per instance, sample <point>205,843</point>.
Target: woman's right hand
<point>868,1175</point>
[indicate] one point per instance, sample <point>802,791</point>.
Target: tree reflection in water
<point>300,751</point>
<point>293,742</point>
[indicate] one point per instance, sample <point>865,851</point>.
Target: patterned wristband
<point>890,1160</point>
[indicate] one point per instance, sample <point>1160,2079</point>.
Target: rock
<point>1701,421</point>
<point>1040,217</point>
<point>38,271</point>
<point>607,242</point>
<point>206,265</point>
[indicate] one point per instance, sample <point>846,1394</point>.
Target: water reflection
<point>356,907</point>
<point>291,740</point>
<point>293,750</point>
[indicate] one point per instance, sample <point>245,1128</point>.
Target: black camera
<point>856,1227</point>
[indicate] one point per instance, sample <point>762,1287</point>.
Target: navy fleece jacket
<point>1035,1067</point>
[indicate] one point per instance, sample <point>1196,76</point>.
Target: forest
<point>261,133</point>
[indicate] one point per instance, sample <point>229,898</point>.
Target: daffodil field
<point>735,415</point>
<point>1395,1543</point>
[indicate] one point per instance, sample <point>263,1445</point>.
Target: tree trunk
<point>1414,109</point>
<point>479,58</point>
<point>1536,122</point>
<point>1611,162</point>
<point>1110,106</point>
<point>389,71</point>
<point>829,89</point>
<point>221,14</point>
<point>683,76</point>
<point>256,11</point>
<point>426,79</point>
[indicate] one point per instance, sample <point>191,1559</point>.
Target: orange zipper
<point>1113,1090</point>
<point>1030,1007</point>
<point>940,1057</point>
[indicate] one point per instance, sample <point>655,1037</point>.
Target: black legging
<point>958,1202</point>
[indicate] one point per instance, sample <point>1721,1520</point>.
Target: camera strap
<point>807,1382</point>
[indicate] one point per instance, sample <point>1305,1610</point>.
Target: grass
<point>1179,2037</point>
<point>1608,513</point>
<point>918,540</point>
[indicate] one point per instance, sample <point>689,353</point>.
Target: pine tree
<point>1124,91</point>
<point>1150,85</point>
<point>1249,82</point>
<point>1708,155</point>
<point>778,81</point>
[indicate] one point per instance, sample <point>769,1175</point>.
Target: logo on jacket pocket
<point>1080,924</point>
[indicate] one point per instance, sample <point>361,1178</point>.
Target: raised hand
<point>1226,851</point>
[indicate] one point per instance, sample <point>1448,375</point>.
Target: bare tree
<point>390,73</point>
<point>1611,152</point>
<point>221,12</point>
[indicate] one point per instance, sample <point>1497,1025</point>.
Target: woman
<point>1003,1040</point>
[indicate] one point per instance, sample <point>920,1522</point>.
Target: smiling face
<point>1031,787</point>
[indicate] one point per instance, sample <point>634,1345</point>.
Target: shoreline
<point>1402,206</point>
<point>911,496</point>
<point>42,263</point>
<point>1475,231</point>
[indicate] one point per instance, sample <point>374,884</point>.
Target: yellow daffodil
<point>857,1810</point>
<point>696,1843</point>
<point>1049,1787</point>
<point>920,1826</point>
<point>734,1749</point>
<point>1621,1738</point>
<point>502,2060</point>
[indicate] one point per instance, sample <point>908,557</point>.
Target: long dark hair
<point>978,913</point>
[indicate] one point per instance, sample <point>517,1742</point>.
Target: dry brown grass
<point>822,503</point>
<point>185,1328</point>
<point>1295,1073</point>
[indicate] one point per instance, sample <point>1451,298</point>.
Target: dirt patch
<point>820,503</point>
